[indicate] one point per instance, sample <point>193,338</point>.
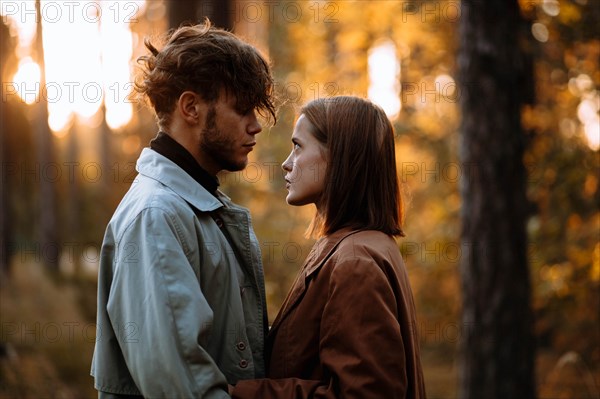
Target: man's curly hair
<point>205,59</point>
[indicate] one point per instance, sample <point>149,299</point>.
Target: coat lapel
<point>319,254</point>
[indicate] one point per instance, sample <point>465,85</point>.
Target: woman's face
<point>305,166</point>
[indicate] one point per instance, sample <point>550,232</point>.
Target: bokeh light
<point>384,78</point>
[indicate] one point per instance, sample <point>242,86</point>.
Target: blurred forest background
<point>68,153</point>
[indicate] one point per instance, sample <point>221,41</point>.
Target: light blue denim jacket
<point>181,307</point>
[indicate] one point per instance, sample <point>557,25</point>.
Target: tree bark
<point>49,245</point>
<point>497,348</point>
<point>194,11</point>
<point>74,200</point>
<point>5,212</point>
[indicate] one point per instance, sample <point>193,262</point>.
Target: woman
<point>347,328</point>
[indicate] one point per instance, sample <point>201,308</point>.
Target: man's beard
<point>215,144</point>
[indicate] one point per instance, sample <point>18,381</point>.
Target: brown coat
<point>347,329</point>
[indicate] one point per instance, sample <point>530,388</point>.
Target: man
<point>181,300</point>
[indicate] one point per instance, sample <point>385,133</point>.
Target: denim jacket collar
<point>158,167</point>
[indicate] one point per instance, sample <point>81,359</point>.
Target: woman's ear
<point>189,105</point>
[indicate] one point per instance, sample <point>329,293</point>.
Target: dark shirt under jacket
<point>166,146</point>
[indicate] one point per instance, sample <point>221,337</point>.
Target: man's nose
<point>254,127</point>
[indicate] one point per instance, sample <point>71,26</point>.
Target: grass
<point>47,340</point>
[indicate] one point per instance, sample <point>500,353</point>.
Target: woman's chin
<point>293,201</point>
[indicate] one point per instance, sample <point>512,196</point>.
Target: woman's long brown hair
<point>361,188</point>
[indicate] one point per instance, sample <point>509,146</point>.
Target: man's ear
<point>189,106</point>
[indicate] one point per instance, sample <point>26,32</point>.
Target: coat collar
<point>158,167</point>
<point>323,249</point>
<point>317,257</point>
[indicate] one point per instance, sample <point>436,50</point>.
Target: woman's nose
<point>287,164</point>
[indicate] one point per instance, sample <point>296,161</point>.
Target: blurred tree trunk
<point>193,11</point>
<point>106,151</point>
<point>74,202</point>
<point>5,222</point>
<point>17,190</point>
<point>105,164</point>
<point>497,353</point>
<point>49,245</point>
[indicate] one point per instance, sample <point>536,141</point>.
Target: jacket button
<point>219,222</point>
<point>243,363</point>
<point>241,346</point>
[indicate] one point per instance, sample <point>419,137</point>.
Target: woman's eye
<point>296,146</point>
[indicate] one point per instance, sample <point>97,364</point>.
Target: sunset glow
<point>87,50</point>
<point>384,78</point>
<point>27,80</point>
